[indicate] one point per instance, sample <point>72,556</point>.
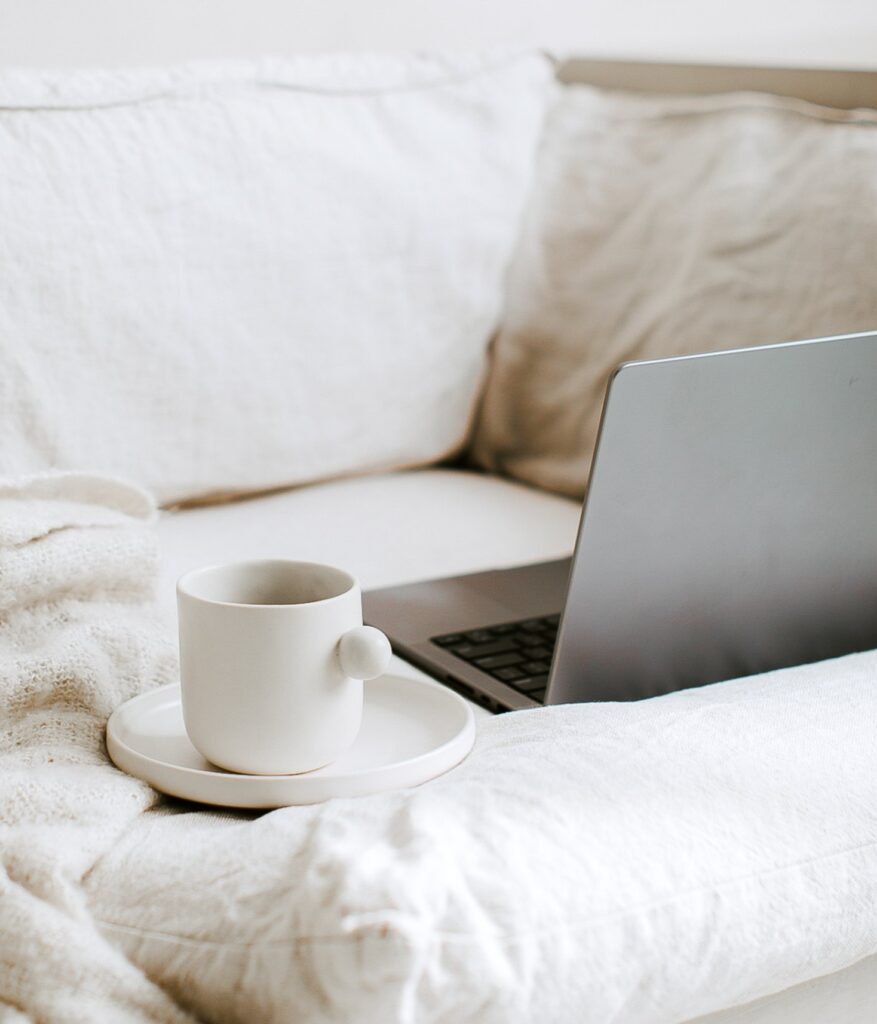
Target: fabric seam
<point>201,89</point>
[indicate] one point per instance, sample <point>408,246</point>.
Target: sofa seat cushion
<point>388,528</point>
<point>226,278</point>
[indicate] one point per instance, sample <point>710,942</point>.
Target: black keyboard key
<point>536,668</point>
<point>469,652</point>
<point>532,684</point>
<point>479,636</point>
<point>542,653</point>
<point>508,675</point>
<point>516,653</point>
<point>449,640</point>
<point>499,661</point>
<point>530,640</point>
<point>532,625</point>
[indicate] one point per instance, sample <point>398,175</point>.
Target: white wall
<point>830,33</point>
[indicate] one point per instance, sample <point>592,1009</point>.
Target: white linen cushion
<point>385,528</point>
<point>670,225</point>
<point>222,278</point>
<point>638,863</point>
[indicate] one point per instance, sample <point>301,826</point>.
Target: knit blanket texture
<point>640,863</point>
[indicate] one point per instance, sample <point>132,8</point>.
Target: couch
<point>424,438</point>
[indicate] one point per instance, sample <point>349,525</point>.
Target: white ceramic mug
<point>272,654</point>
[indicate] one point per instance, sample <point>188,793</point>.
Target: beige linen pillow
<point>670,225</point>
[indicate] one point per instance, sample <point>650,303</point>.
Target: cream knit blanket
<point>639,863</point>
<point>77,637</point>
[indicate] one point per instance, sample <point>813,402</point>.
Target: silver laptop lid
<point>730,525</point>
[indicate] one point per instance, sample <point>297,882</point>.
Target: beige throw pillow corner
<point>669,225</point>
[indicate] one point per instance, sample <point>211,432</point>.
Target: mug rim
<point>184,582</point>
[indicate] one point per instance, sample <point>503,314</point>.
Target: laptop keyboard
<point>516,653</point>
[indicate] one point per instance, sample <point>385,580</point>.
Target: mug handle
<point>364,652</point>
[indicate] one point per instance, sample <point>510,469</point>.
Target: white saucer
<point>412,730</point>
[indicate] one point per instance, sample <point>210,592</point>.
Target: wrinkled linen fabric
<point>663,226</point>
<point>636,863</point>
<point>230,277</point>
<point>77,637</point>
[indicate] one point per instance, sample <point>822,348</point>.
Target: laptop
<point>730,528</point>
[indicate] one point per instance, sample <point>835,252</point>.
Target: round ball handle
<point>364,652</point>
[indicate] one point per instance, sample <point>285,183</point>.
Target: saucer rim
<point>462,741</point>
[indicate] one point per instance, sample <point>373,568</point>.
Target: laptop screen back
<point>730,525</point>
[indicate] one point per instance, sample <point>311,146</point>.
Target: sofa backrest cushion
<point>664,226</point>
<point>227,278</point>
